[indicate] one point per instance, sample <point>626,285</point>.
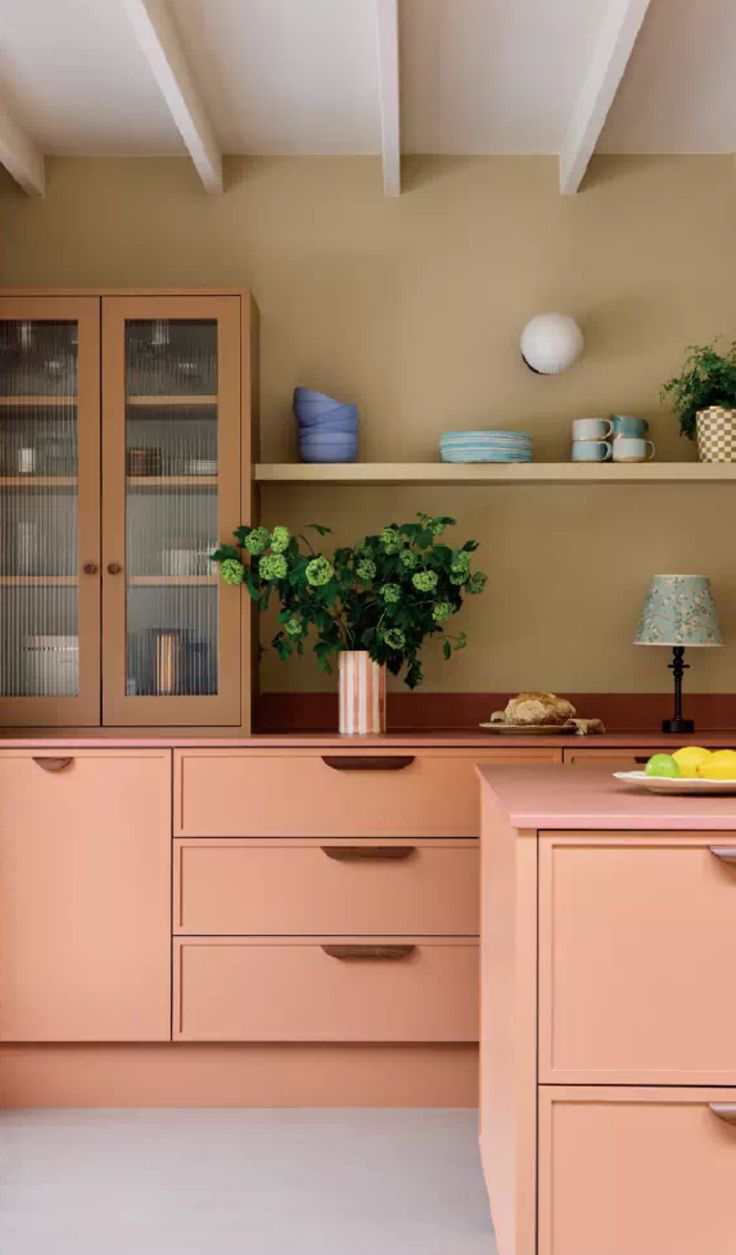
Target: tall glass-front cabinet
<point>125,453</point>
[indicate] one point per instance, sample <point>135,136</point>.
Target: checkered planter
<point>716,429</point>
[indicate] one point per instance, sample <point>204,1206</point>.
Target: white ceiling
<point>492,76</point>
<point>677,94</point>
<point>301,76</point>
<point>73,76</point>
<point>285,76</point>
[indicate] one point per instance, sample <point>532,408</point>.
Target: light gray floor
<point>242,1182</point>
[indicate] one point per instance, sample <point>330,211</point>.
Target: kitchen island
<point>608,1016</point>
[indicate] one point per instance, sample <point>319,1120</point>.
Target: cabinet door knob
<point>53,764</point>
<point>367,762</point>
<point>90,568</point>
<point>724,1110</point>
<point>114,568</point>
<point>367,853</point>
<point>352,952</point>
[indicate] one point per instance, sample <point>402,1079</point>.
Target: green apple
<point>662,765</point>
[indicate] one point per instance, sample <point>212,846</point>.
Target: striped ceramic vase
<point>362,693</point>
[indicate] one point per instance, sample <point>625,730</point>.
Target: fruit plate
<point>674,784</point>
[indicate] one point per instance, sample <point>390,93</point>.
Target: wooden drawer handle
<point>726,853</point>
<point>724,1110</point>
<point>364,762</point>
<point>368,853</point>
<point>53,764</point>
<point>352,952</point>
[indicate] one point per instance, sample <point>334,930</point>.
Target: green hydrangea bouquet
<point>385,595</point>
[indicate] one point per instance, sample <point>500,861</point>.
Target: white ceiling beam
<point>163,50</point>
<point>611,54</point>
<point>387,13</point>
<point>22,160</point>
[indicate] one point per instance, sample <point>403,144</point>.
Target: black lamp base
<point>678,667</point>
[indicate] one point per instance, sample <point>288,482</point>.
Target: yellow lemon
<point>719,766</point>
<point>690,758</point>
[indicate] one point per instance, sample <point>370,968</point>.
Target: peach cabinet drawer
<point>636,941</point>
<point>325,989</point>
<point>340,793</point>
<point>304,886</point>
<point>645,1172</point>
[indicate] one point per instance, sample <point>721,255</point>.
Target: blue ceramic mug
<point>591,450</point>
<point>625,425</point>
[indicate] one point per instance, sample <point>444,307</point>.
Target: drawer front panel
<point>248,990</point>
<point>363,887</point>
<point>645,1172</point>
<point>636,941</point>
<point>342,793</point>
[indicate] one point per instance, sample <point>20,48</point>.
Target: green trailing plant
<point>708,377</point>
<point>386,594</point>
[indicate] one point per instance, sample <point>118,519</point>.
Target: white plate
<point>667,784</point>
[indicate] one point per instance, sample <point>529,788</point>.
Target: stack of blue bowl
<point>328,430</point>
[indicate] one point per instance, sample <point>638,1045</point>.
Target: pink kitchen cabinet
<point>643,1171</point>
<point>85,915</point>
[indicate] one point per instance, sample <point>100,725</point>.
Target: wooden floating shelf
<point>169,402</point>
<point>496,473</point>
<point>171,481</point>
<point>156,581</point>
<point>38,481</point>
<point>39,581</point>
<point>35,402</point>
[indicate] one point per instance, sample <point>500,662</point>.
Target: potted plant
<point>372,604</point>
<point>703,396</point>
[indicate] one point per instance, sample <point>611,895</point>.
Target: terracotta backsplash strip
<point>410,712</point>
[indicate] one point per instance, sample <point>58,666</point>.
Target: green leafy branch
<point>707,378</point>
<point>387,594</point>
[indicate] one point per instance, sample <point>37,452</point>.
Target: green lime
<point>662,765</point>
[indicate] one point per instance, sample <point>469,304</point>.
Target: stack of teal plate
<point>485,446</point>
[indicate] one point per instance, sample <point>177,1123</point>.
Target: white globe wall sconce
<point>550,343</point>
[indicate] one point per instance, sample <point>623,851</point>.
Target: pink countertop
<point>551,797</point>
<point>218,738</point>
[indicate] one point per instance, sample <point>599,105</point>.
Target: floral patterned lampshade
<point>679,610</point>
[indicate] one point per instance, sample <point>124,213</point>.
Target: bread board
<point>530,729</point>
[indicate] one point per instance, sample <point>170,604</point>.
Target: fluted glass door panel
<point>49,472</point>
<point>180,420</point>
<point>171,506</point>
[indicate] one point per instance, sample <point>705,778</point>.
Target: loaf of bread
<point>533,708</point>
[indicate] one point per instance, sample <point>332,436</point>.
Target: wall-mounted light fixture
<point>550,343</point>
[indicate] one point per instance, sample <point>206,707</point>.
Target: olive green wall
<point>413,308</point>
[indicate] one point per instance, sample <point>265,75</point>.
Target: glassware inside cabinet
<point>39,643</point>
<point>171,357</point>
<point>171,507</point>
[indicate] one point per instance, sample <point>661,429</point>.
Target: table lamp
<point>679,612</point>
